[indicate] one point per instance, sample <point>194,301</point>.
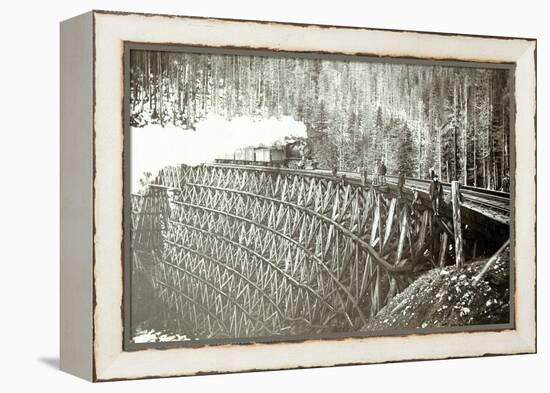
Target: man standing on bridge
<point>436,193</point>
<point>334,170</point>
<point>382,173</point>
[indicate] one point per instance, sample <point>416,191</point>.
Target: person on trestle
<point>382,173</point>
<point>334,170</point>
<point>436,194</point>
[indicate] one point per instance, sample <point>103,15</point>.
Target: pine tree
<point>354,112</point>
<point>406,152</point>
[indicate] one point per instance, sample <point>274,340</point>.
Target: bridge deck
<point>495,205</point>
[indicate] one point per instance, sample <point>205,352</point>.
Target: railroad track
<point>485,201</point>
<point>495,200</point>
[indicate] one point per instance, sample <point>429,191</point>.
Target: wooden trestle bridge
<point>244,251</point>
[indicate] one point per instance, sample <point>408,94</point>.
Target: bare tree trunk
<point>148,80</point>
<point>439,158</point>
<point>495,172</point>
<point>485,183</point>
<point>503,133</point>
<point>465,132</point>
<point>455,132</point>
<point>419,153</point>
<point>490,140</point>
<point>387,142</point>
<point>159,71</point>
<point>475,150</point>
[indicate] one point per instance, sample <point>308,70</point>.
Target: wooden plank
<point>422,233</point>
<point>402,234</point>
<point>389,221</point>
<point>457,224</point>
<point>375,303</point>
<point>379,208</point>
<point>363,286</point>
<point>410,241</point>
<point>490,262</point>
<point>446,226</point>
<point>375,222</point>
<point>443,249</point>
<point>392,291</point>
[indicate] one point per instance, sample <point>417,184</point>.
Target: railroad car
<point>245,156</point>
<point>226,157</point>
<point>270,156</point>
<point>292,154</point>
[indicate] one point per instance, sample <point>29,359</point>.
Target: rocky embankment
<point>446,297</point>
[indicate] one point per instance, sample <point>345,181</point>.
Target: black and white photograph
<point>275,196</point>
<point>248,196</point>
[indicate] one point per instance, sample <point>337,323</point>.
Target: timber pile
<point>446,297</point>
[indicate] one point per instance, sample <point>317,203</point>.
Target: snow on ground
<point>154,147</point>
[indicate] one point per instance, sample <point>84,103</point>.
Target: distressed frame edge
<point>305,24</point>
<point>76,207</point>
<point>527,339</point>
<point>526,90</point>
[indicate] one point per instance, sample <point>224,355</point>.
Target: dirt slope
<point>446,297</point>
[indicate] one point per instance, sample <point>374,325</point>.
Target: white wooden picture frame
<point>92,195</point>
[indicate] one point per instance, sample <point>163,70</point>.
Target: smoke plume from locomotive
<point>154,146</point>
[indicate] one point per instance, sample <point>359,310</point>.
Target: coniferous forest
<point>454,120</point>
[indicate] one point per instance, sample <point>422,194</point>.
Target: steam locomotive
<point>292,154</point>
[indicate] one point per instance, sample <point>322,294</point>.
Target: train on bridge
<point>292,154</point>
